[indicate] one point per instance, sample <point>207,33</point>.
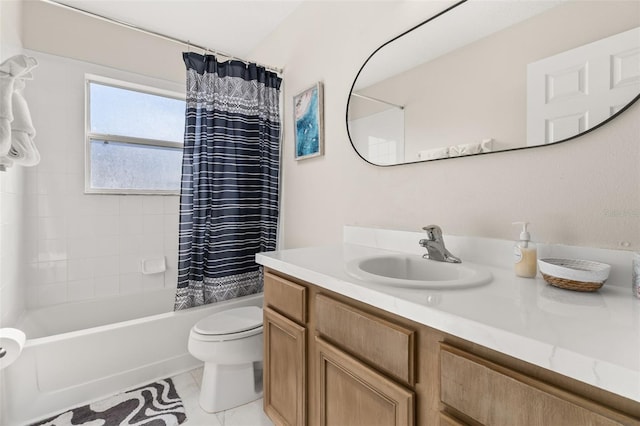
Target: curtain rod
<point>369,98</point>
<point>156,34</point>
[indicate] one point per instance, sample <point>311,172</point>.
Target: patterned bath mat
<point>156,404</point>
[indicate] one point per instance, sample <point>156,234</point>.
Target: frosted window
<point>123,112</point>
<point>116,165</point>
<point>134,138</point>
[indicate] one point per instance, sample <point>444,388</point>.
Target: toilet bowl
<point>230,344</point>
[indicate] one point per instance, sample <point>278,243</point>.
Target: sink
<point>412,271</point>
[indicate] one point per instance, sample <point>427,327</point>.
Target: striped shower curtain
<point>230,167</point>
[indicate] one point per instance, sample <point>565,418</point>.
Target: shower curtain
<point>230,169</point>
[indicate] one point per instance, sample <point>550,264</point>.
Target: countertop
<point>591,337</point>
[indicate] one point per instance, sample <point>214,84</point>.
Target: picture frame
<point>308,118</point>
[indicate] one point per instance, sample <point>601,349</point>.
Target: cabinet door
<point>351,393</point>
<point>285,372</point>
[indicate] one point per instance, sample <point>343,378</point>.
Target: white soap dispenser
<point>525,254</point>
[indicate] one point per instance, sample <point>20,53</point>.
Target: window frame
<point>91,136</point>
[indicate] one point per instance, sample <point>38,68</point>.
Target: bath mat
<point>156,404</point>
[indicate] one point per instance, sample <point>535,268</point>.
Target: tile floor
<point>188,387</point>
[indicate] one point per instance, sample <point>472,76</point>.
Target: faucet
<point>435,246</point>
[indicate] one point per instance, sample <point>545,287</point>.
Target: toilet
<point>230,344</point>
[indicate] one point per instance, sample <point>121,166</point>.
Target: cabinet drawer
<point>286,297</point>
<point>382,344</point>
<point>495,395</point>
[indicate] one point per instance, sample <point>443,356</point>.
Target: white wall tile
<point>106,226</point>
<point>80,247</point>
<point>131,225</point>
<point>75,184</point>
<point>106,205</point>
<point>30,205</point>
<point>52,294</point>
<point>152,245</point>
<point>131,205</point>
<point>105,266</point>
<point>153,224</point>
<point>53,161</point>
<point>128,264</point>
<point>50,272</point>
<point>129,243</point>
<point>171,224</point>
<point>52,205</point>
<point>152,282</point>
<point>75,163</point>
<point>105,246</point>
<point>52,228</point>
<point>81,227</point>
<point>32,297</point>
<point>50,183</point>
<point>153,204</point>
<point>106,286</point>
<point>80,290</point>
<point>171,204</point>
<point>171,278</point>
<point>82,205</point>
<point>171,245</point>
<point>51,250</point>
<point>131,283</point>
<point>81,269</point>
<point>9,212</point>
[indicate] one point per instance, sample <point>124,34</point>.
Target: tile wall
<point>81,246</point>
<point>12,247</point>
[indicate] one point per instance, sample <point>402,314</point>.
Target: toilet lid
<point>230,321</point>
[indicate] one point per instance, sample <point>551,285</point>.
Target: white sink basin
<point>412,271</point>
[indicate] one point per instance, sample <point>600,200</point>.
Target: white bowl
<point>585,271</point>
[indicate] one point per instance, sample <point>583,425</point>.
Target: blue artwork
<point>308,124</point>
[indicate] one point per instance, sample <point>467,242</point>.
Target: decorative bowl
<point>574,274</point>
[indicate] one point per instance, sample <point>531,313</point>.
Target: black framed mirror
<point>487,76</point>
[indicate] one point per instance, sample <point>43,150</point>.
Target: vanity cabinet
<point>285,349</point>
<point>333,361</point>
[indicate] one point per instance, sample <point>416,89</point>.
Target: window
<point>134,138</point>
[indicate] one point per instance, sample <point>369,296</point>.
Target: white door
<point>573,91</point>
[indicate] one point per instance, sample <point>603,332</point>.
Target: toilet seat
<point>229,324</point>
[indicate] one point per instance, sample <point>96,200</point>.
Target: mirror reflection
<point>490,76</point>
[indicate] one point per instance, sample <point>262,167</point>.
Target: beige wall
<point>583,192</point>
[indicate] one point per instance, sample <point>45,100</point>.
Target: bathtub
<point>79,352</point>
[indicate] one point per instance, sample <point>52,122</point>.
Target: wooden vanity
<point>332,360</point>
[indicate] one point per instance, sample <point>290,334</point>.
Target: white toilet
<point>230,344</point>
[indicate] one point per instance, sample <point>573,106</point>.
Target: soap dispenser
<point>525,256</point>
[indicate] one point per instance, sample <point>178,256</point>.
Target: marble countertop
<point>591,337</point>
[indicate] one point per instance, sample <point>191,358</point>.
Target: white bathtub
<point>79,352</point>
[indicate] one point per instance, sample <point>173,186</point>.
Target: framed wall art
<point>309,122</point>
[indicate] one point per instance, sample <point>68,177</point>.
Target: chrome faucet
<point>434,243</point>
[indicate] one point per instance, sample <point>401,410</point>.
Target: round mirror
<point>486,76</point>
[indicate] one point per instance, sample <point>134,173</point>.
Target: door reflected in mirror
<point>487,76</point>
